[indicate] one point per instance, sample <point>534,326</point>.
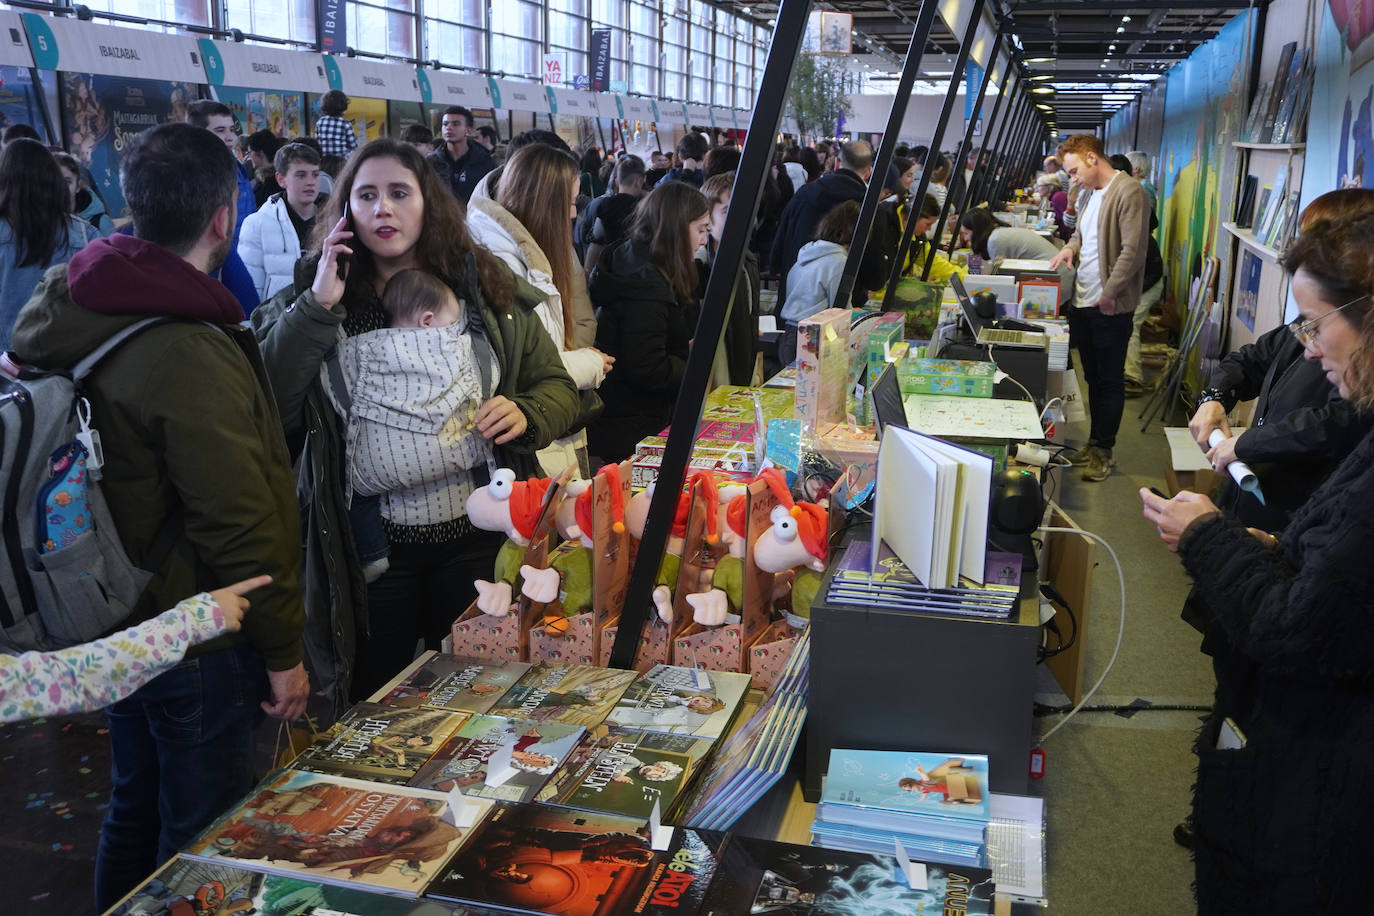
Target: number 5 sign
<point>553,69</point>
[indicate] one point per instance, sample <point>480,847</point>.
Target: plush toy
<point>570,573</point>
<point>513,507</point>
<point>724,593</point>
<point>797,540</point>
<point>636,516</point>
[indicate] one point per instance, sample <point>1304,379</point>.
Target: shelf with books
<point>1247,238</point>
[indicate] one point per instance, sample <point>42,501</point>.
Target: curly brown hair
<point>444,243</point>
<point>1338,255</point>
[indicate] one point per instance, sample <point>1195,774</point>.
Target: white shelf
<point>1280,147</point>
<point>1247,238</point>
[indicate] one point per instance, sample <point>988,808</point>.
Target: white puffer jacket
<point>496,229</point>
<point>269,247</point>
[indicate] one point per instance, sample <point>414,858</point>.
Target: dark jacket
<point>1286,815</point>
<point>643,325</point>
<point>462,175</point>
<point>1301,430</point>
<point>803,213</point>
<point>694,177</point>
<point>187,425</point>
<point>298,336</point>
<point>741,340</point>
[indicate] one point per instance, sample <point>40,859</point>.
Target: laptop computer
<point>987,333</point>
<point>888,408</point>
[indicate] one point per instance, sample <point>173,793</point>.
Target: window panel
<point>643,19</point>
<point>573,7</point>
<point>609,12</point>
<point>190,12</point>
<point>516,56</point>
<point>568,31</point>
<point>455,44</point>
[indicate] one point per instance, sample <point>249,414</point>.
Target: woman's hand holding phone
<point>333,267</point>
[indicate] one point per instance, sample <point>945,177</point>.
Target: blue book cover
<point>941,786</point>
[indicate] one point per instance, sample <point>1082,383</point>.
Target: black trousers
<point>419,597</point>
<point>1102,341</point>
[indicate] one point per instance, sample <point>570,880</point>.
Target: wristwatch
<point>1211,394</point>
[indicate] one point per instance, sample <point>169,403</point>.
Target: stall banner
<point>283,113</point>
<point>101,114</point>
<point>698,115</point>
<point>637,108</point>
<point>671,112</point>
<point>514,95</point>
<point>572,102</point>
<point>19,98</point>
<point>70,44</point>
<point>450,88</point>
<point>333,27</point>
<point>14,45</point>
<point>235,64</point>
<point>372,78</point>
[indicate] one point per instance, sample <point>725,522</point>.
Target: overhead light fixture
<point>1043,90</point>
<point>1125,18</point>
<point>1111,47</point>
<point>1044,108</point>
<point>1043,76</point>
<point>1040,60</point>
<point>1121,28</point>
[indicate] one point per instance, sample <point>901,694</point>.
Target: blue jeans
<point>182,755</point>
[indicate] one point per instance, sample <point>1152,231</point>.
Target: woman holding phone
<point>400,216</point>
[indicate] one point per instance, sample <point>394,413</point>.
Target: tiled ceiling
<point>1096,54</point>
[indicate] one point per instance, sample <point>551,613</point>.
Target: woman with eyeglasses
<point>1284,795</point>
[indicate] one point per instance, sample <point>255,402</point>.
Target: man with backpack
<point>192,448</point>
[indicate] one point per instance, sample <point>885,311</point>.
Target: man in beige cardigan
<point>1110,244</point>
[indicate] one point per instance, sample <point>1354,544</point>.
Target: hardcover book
<point>763,876</point>
<point>626,770</point>
<point>537,748</point>
<point>452,682</point>
<point>337,831</point>
<point>893,584</point>
<point>668,698</point>
<point>195,888</point>
<point>893,789</point>
<point>576,694</point>
<point>380,743</point>
<point>543,859</point>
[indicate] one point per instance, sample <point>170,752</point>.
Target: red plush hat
<point>737,515</point>
<point>708,483</point>
<point>527,503</point>
<point>778,484</point>
<point>813,526</point>
<point>582,509</point>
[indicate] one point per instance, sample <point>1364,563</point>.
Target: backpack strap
<point>114,342</point>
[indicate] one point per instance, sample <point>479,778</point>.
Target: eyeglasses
<point>1306,331</point>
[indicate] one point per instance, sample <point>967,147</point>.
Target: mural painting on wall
<point>1203,111</point>
<point>101,114</point>
<point>1348,40</point>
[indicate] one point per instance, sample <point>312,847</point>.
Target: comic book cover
<point>940,795</point>
<point>544,859</point>
<point>195,888</point>
<point>780,879</point>
<point>452,682</point>
<point>671,699</point>
<point>575,694</point>
<point>380,743</point>
<point>337,831</point>
<point>537,748</point>
<point>626,770</point>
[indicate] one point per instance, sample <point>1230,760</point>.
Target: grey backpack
<point>64,575</point>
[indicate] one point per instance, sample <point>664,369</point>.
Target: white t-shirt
<point>1088,287</point>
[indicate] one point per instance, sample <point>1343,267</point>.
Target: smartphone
<point>1230,737</point>
<point>342,259</point>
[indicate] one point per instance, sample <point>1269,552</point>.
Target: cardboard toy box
<point>823,351</point>
<point>958,377</point>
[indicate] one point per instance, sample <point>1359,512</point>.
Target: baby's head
<point>416,299</point>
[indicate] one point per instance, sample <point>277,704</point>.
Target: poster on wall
<point>1248,290</point>
<point>1343,94</point>
<point>283,113</point>
<point>368,117</point>
<point>101,114</point>
<point>20,102</point>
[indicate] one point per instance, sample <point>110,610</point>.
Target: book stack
<point>755,757</point>
<point>892,584</point>
<point>936,805</point>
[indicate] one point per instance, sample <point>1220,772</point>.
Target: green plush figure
<point>513,507</point>
<point>796,540</point>
<point>670,565</point>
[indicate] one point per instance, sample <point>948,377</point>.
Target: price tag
<point>462,811</point>
<point>659,835</point>
<point>499,769</point>
<point>703,679</point>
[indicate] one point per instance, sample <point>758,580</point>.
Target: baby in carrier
<point>411,391</point>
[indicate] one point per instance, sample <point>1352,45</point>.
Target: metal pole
<point>965,149</point>
<point>932,154</point>
<point>1014,151</point>
<point>757,158</point>
<point>886,149</point>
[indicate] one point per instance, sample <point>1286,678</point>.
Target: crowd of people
<point>385,324</point>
